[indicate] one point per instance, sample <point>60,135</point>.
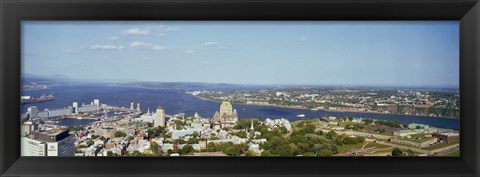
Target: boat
<point>79,118</point>
<point>43,98</point>
<point>301,115</point>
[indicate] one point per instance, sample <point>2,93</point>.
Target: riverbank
<point>325,110</point>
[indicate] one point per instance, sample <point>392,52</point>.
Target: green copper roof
<point>226,104</point>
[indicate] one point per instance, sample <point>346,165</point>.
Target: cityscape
<point>142,93</point>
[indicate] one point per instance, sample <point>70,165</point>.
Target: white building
<point>159,117</point>
<point>88,108</point>
<point>32,147</point>
<point>48,144</point>
<point>96,102</point>
<point>59,112</point>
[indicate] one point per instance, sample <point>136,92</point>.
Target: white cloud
<point>190,51</point>
<point>137,44</point>
<point>106,47</point>
<point>114,38</point>
<point>147,45</point>
<point>210,43</point>
<point>204,63</point>
<point>170,29</point>
<point>158,31</point>
<point>301,39</point>
<point>77,50</point>
<point>159,47</point>
<point>160,34</point>
<point>147,58</point>
<point>136,31</point>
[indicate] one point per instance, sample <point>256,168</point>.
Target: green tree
<point>397,152</point>
<point>266,153</point>
<point>350,118</point>
<point>118,134</point>
<point>155,149</point>
<point>325,152</point>
<point>331,135</point>
<point>367,121</point>
<point>187,149</point>
<point>211,147</point>
<point>232,150</point>
<point>195,134</point>
<point>309,129</point>
<point>180,141</point>
<point>308,154</point>
<point>250,153</point>
<point>89,143</point>
<point>192,141</point>
<point>285,150</point>
<point>109,153</point>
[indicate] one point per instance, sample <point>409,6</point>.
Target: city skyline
<point>267,53</point>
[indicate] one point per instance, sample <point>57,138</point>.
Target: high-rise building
<point>75,107</point>
<point>138,107</point>
<point>32,112</point>
<point>159,117</point>
<point>96,102</point>
<point>131,106</point>
<point>48,144</point>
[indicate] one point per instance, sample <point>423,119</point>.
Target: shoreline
<point>327,111</point>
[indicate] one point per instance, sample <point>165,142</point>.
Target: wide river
<point>176,101</point>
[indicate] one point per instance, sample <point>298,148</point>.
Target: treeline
<point>306,141</point>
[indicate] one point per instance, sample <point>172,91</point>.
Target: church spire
<point>251,125</point>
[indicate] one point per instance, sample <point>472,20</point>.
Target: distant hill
<point>57,78</point>
<point>186,85</point>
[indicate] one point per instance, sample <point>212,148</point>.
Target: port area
<point>110,113</point>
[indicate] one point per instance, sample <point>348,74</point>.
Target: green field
<point>420,140</point>
<point>438,146</point>
<point>376,145</point>
<point>345,148</point>
<point>455,153</point>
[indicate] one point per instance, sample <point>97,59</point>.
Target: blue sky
<point>366,53</point>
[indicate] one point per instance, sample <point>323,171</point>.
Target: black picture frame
<point>14,11</point>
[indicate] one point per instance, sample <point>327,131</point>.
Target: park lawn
<point>438,146</point>
<point>345,148</point>
<point>308,121</point>
<point>419,140</point>
<point>401,144</point>
<point>455,153</point>
<point>376,145</point>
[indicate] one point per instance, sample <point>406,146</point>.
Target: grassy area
<point>345,148</point>
<point>438,146</point>
<point>420,140</point>
<point>455,153</point>
<point>407,145</point>
<point>306,121</point>
<point>376,145</point>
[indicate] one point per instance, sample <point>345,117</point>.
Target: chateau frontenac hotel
<point>227,117</point>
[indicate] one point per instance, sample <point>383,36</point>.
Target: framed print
<point>282,88</point>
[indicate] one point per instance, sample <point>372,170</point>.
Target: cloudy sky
<point>401,53</point>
